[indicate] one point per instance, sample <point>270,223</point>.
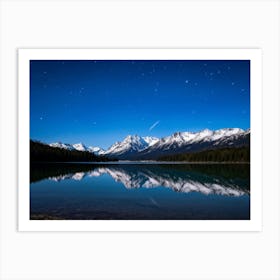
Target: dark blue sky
<point>101,102</point>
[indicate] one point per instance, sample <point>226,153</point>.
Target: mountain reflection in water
<point>150,178</point>
<point>142,182</point>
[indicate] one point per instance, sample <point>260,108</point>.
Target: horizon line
<point>193,131</point>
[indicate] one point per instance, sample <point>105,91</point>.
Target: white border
<point>254,55</point>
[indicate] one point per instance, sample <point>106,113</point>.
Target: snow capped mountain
<point>206,135</point>
<point>96,150</point>
<point>130,145</point>
<point>80,147</point>
<point>150,140</point>
<point>135,147</point>
<point>182,142</point>
<point>62,146</point>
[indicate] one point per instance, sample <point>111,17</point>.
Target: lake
<point>127,191</point>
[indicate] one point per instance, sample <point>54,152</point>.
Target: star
<point>187,81</point>
<point>232,83</point>
<point>81,90</point>
<point>41,118</point>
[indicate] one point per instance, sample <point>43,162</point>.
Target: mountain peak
<point>150,140</point>
<point>175,134</point>
<point>132,137</point>
<point>130,144</point>
<point>80,147</point>
<point>206,130</point>
<point>134,146</point>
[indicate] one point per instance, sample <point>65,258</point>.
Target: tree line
<point>40,152</point>
<point>241,154</point>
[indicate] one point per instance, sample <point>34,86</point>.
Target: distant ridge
<point>40,152</point>
<point>134,147</point>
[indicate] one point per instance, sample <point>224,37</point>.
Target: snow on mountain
<point>150,140</point>
<point>247,131</point>
<point>178,138</point>
<point>182,142</point>
<point>206,135</point>
<point>62,146</point>
<point>137,147</point>
<point>80,147</point>
<point>96,150</point>
<point>131,144</point>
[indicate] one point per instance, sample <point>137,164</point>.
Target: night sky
<point>101,102</point>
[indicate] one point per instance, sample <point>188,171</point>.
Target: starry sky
<point>99,102</point>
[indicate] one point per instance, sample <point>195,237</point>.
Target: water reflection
<point>151,177</point>
<point>140,191</point>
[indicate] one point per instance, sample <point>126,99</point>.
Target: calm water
<point>140,191</point>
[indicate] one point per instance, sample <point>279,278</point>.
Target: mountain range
<point>135,147</point>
